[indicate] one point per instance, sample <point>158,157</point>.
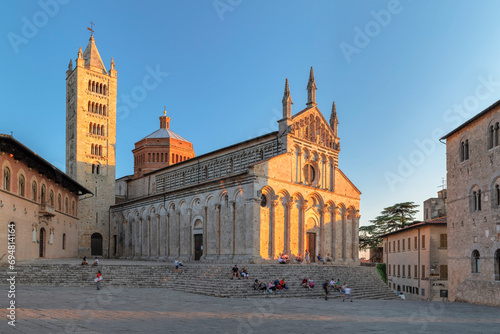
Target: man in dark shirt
<point>235,272</point>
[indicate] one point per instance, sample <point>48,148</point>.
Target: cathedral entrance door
<point>42,242</point>
<point>96,244</point>
<point>198,246</point>
<point>311,244</point>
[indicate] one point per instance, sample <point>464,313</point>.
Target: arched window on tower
<point>497,193</point>
<point>495,134</point>
<point>491,133</point>
<point>73,208</point>
<point>98,169</point>
<point>476,261</point>
<point>100,88</point>
<point>90,127</point>
<point>43,194</point>
<point>21,185</point>
<point>90,85</point>
<point>51,197</point>
<point>34,191</point>
<point>89,108</point>
<point>93,86</point>
<point>466,150</point>
<point>105,90</point>
<point>103,133</point>
<point>100,150</point>
<point>92,149</point>
<point>6,178</point>
<point>104,110</point>
<point>66,205</point>
<point>59,202</point>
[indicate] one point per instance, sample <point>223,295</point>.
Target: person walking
<point>347,293</point>
<point>98,280</point>
<point>325,287</point>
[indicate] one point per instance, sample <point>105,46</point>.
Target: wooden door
<point>198,246</point>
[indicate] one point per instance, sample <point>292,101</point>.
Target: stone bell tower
<point>90,145</point>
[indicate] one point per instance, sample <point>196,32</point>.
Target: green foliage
<point>391,219</point>
<point>382,271</point>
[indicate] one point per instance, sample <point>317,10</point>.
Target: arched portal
<point>96,244</point>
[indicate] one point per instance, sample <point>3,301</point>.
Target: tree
<point>391,219</point>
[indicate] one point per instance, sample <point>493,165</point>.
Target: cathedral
<point>248,202</point>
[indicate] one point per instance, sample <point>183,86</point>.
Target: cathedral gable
<point>311,125</point>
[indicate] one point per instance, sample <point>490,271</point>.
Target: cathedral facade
<point>248,202</point>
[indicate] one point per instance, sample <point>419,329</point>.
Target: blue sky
<point>402,73</point>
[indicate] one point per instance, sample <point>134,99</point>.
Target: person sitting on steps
<point>235,272</point>
<point>255,284</point>
<point>178,266</point>
<point>244,272</point>
<point>84,262</point>
<point>320,259</point>
<point>328,258</point>
<point>299,258</point>
<point>96,262</point>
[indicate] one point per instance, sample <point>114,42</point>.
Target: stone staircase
<point>207,279</point>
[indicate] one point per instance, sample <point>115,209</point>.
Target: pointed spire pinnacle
<point>112,63</point>
<point>287,102</point>
<point>80,54</point>
<point>92,57</point>
<point>70,65</point>
<point>311,74</point>
<point>311,90</point>
<point>333,119</point>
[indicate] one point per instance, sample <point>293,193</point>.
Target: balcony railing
<point>47,210</point>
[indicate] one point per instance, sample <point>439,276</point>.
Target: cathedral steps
<point>206,279</point>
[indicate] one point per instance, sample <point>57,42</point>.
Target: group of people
<point>235,272</point>
<point>308,283</point>
<point>273,286</point>
<point>337,286</point>
<point>84,262</point>
<point>284,258</point>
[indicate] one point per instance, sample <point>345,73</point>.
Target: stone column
<point>168,243</point>
<point>333,214</point>
<point>141,223</point>
<point>344,235</point>
<point>302,213</point>
<point>218,209</point>
<point>205,231</point>
<point>233,219</point>
<point>288,223</point>
<point>178,214</point>
<point>355,236</point>
<point>300,167</point>
<point>190,219</point>
<point>272,228</point>
<point>332,176</point>
<point>158,234</point>
<point>322,231</point>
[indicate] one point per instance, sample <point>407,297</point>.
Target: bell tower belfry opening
<point>91,139</point>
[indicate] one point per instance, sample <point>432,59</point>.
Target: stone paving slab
<point>150,310</point>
